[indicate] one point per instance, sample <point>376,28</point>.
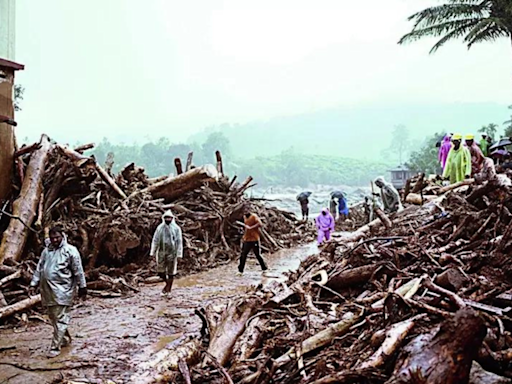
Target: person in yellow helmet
<point>458,163</point>
<point>477,157</point>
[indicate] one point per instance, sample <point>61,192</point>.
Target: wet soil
<point>118,333</point>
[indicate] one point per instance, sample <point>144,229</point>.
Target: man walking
<point>251,242</point>
<point>167,246</point>
<point>325,225</point>
<point>304,207</point>
<point>58,273</point>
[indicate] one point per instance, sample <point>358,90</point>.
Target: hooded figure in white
<point>389,196</point>
<point>167,246</point>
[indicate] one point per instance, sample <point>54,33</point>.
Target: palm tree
<point>474,21</point>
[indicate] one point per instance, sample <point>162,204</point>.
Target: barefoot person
<point>58,273</point>
<point>167,246</point>
<point>251,242</point>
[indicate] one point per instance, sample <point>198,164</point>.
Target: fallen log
<point>14,276</point>
<point>174,187</point>
<point>19,306</point>
<point>417,199</point>
<point>394,338</point>
<point>220,167</point>
<point>225,332</point>
<point>354,276</point>
<point>419,185</point>
<point>84,147</point>
<point>27,149</point>
<point>453,186</point>
<point>25,206</point>
<point>383,217</point>
<point>444,355</point>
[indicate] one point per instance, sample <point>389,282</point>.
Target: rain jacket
<point>167,243</point>
<point>477,158</point>
<point>444,150</point>
<point>343,207</point>
<point>58,273</point>
<point>458,164</point>
<point>484,147</point>
<point>389,196</point>
<point>325,222</point>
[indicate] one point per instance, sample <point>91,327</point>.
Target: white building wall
<point>7,29</point>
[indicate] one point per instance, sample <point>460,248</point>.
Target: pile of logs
<point>111,218</point>
<point>426,300</point>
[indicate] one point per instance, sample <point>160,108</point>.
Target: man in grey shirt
<point>58,273</point>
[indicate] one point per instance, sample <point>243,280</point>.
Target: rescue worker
<point>342,208</point>
<point>58,273</point>
<point>444,149</point>
<point>251,242</point>
<point>458,164</point>
<point>477,157</point>
<point>484,145</point>
<point>167,246</point>
<point>325,225</point>
<point>389,196</point>
<point>368,208</point>
<point>332,207</point>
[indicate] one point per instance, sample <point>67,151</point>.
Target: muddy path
<point>118,333</point>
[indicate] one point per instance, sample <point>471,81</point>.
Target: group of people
<point>461,161</point>
<point>60,274</point>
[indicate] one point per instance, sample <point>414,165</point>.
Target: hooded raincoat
<point>167,246</point>
<point>325,225</point>
<point>444,150</point>
<point>58,273</point>
<point>342,206</point>
<point>484,146</point>
<point>458,164</point>
<point>389,196</point>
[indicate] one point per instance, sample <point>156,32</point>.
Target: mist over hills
<point>357,132</point>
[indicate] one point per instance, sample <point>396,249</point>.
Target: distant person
<point>368,208</point>
<point>484,145</point>
<point>477,157</point>
<point>167,246</point>
<point>444,149</point>
<point>342,209</point>
<point>303,199</point>
<point>389,196</point>
<point>251,242</point>
<point>333,207</point>
<point>458,164</point>
<point>58,274</point>
<point>325,225</point>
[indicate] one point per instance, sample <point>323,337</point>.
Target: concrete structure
<point>7,29</point>
<point>7,141</point>
<point>399,176</point>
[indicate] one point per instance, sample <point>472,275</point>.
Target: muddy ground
<point>118,333</point>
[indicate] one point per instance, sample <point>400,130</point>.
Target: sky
<point>131,69</point>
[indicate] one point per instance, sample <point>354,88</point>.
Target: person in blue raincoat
<point>342,208</point>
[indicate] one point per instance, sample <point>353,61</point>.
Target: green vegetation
<point>290,168</point>
<point>474,21</point>
<point>425,159</point>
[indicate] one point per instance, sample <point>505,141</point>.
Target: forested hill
<point>361,132</point>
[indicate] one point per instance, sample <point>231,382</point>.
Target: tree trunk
<point>354,276</point>
<point>19,306</point>
<point>25,206</point>
<point>445,355</point>
<point>174,187</point>
<point>383,217</point>
<point>7,141</point>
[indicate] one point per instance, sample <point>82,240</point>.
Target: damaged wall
<point>6,132</point>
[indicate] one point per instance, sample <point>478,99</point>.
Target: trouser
<point>323,235</point>
<point>246,248</point>
<point>305,212</point>
<point>59,318</point>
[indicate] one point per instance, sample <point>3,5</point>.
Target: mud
<point>118,333</point>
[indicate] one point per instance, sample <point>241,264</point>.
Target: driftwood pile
<point>427,300</point>
<point>111,219</point>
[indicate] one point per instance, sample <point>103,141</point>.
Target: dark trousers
<point>247,246</point>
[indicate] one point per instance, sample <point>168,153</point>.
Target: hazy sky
<point>165,67</point>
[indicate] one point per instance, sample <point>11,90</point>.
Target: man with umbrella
<point>303,199</point>
<point>342,204</point>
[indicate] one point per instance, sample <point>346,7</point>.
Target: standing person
<point>167,246</point>
<point>325,225</point>
<point>484,145</point>
<point>389,196</point>
<point>58,273</point>
<point>458,164</point>
<point>332,207</point>
<point>477,157</point>
<point>446,145</point>
<point>251,242</point>
<point>342,208</point>
<point>304,207</point>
